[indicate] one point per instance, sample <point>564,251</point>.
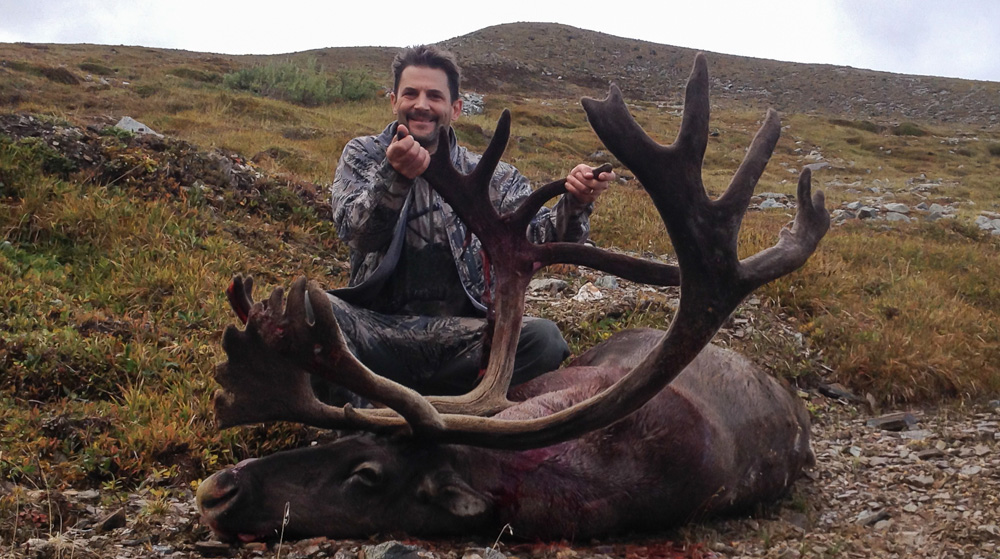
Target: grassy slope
<point>112,278</point>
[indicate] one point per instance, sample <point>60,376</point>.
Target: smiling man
<point>413,309</point>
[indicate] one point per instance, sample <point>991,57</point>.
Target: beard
<point>425,138</point>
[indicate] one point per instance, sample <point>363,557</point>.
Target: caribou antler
<point>704,233</point>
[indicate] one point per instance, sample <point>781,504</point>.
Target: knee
<point>540,349</point>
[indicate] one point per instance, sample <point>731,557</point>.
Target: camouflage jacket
<point>368,197</point>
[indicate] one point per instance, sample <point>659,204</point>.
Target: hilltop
<point>559,61</point>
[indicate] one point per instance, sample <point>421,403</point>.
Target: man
<point>413,310</point>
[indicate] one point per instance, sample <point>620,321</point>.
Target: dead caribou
<point>644,431</point>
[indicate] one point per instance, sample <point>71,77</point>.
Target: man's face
<point>423,104</point>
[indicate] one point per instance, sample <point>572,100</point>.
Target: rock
<point>929,453</point>
<point>971,470</point>
<point>483,553</point>
<point>868,518</point>
<point>607,282</point>
<point>818,166</point>
<point>390,550</point>
<point>867,212</point>
<point>212,548</point>
<point>838,391</point>
<point>588,292</point>
<point>920,481</point>
<point>770,203</point>
<point>900,421</point>
<point>897,207</point>
<point>898,217</point>
<point>547,285</point>
<point>773,196</point>
<point>130,124</point>
<point>472,103</point>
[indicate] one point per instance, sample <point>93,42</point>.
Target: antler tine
<point>796,243</point>
<point>693,135</point>
<point>240,296</point>
<point>467,193</point>
<point>737,196</point>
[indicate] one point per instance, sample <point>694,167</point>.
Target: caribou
<point>646,430</point>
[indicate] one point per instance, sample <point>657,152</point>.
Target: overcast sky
<point>953,38</point>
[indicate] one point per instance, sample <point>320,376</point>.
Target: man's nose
<point>422,101</point>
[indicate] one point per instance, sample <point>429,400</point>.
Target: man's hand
<point>406,156</point>
<point>584,186</point>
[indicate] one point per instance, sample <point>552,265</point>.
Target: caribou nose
<point>217,490</point>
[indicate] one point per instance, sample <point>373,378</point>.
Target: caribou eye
<point>368,473</point>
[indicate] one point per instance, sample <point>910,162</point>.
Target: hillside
<point>115,249</point>
<point>559,61</point>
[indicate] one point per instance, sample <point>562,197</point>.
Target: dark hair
<point>428,56</point>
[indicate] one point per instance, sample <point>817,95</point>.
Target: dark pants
<point>436,355</point>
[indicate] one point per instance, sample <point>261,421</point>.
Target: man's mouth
<point>421,118</point>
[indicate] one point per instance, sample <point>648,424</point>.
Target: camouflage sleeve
<point>367,195</point>
<point>568,220</point>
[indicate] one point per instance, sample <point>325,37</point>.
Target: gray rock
<point>130,124</point>
<point>854,206</point>
<point>937,208</point>
<point>483,553</point>
<point>898,421</point>
<point>391,550</point>
<point>896,216</point>
<point>548,285</point>
<point>212,548</point>
<point>773,195</point>
<point>608,282</point>
<point>472,103</point>
<point>867,212</point>
<point>897,208</point>
<point>771,203</point>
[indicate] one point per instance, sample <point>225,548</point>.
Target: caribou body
<point>644,431</point>
<point>720,438</point>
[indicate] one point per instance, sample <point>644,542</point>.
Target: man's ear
<point>447,490</point>
<point>456,108</point>
<point>392,102</point>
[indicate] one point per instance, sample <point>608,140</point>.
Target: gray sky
<point>953,38</point>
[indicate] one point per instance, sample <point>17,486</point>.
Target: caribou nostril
<point>218,489</point>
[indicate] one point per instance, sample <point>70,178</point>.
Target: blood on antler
<point>265,378</point>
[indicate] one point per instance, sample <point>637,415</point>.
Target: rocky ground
<point>923,485</point>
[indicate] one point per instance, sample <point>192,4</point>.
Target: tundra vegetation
<point>111,278</point>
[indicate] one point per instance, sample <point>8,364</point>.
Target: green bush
<point>303,85</point>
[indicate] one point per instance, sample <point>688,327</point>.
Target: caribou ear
<point>447,490</point>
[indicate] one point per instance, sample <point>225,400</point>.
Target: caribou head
<point>647,429</point>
